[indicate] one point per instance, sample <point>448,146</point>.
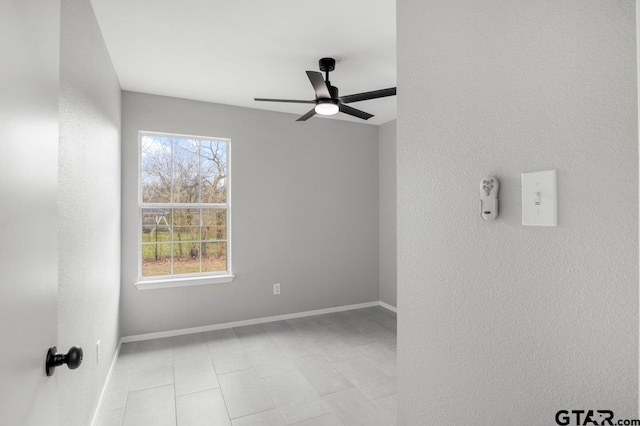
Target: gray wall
<point>388,216</point>
<point>305,214</point>
<point>88,209</point>
<point>501,323</point>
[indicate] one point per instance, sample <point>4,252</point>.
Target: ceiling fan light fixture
<point>327,107</point>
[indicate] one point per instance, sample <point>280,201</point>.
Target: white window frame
<point>182,280</point>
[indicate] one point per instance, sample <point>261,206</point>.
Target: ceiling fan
<point>327,101</point>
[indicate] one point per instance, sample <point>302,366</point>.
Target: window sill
<point>183,282</point>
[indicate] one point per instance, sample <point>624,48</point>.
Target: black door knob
<point>73,359</point>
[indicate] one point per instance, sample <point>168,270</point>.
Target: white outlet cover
<point>540,198</point>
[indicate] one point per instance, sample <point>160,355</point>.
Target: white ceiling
<point>230,51</point>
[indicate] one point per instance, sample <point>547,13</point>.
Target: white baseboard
<point>389,307</point>
<point>263,320</point>
<point>96,414</point>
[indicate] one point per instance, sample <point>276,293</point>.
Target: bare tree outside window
<point>184,204</point>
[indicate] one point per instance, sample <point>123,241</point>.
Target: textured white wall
<point>503,324</point>
<point>88,209</point>
<point>305,214</point>
<point>388,208</point>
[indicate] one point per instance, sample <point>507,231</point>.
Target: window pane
<point>214,257</point>
<point>186,225</point>
<point>214,224</point>
<point>156,169</point>
<point>186,258</point>
<point>156,259</point>
<point>186,251</point>
<point>156,225</point>
<point>214,171</point>
<point>186,161</point>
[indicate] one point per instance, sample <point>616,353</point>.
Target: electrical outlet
<point>98,352</point>
<point>276,289</point>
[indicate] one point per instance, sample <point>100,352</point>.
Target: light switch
<point>540,199</point>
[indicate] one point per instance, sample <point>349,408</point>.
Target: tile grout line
<point>272,399</point>
<point>224,400</point>
<point>253,414</point>
<point>383,411</point>
<point>175,394</point>
<point>358,387</point>
<point>316,417</point>
<point>126,398</point>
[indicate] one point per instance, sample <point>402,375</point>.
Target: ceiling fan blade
<point>294,101</point>
<point>368,95</point>
<point>307,115</point>
<point>319,85</point>
<point>355,112</point>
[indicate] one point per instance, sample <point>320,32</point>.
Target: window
<point>184,207</point>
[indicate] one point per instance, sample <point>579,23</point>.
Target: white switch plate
<point>540,198</point>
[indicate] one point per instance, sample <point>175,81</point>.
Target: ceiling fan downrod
<point>327,65</point>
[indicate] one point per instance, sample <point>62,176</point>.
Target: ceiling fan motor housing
<point>327,64</point>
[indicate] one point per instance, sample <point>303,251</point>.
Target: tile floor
<point>333,369</point>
